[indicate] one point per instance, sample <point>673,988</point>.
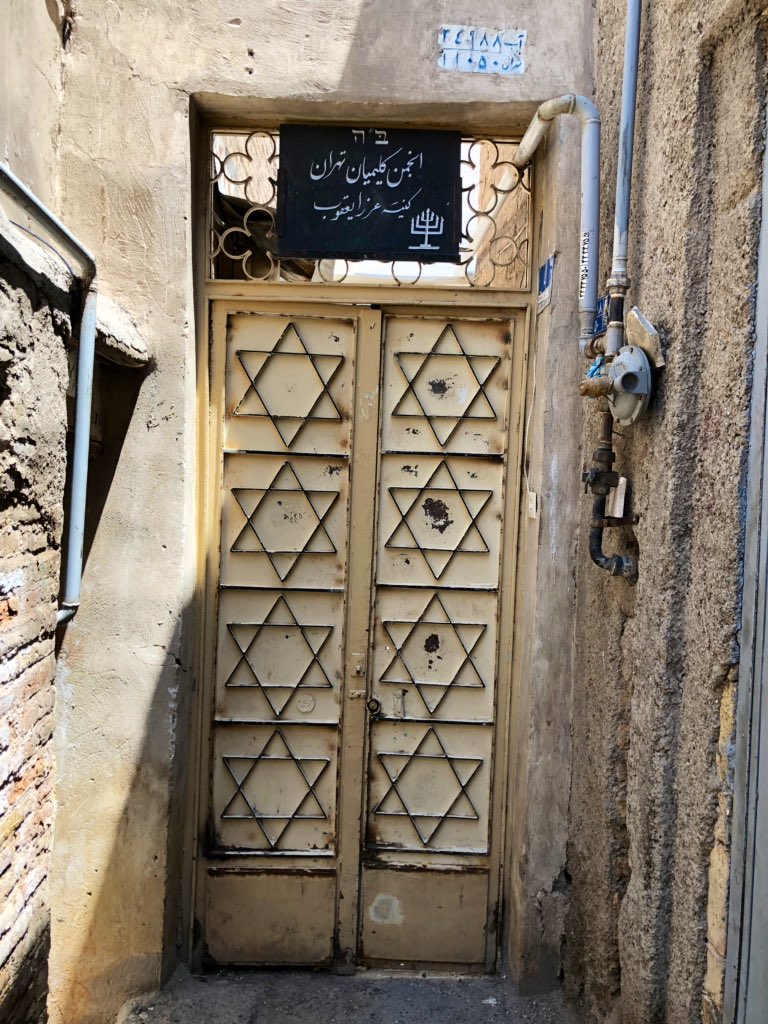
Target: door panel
<point>440,518</point>
<point>400,925</point>
<point>353,634</point>
<point>282,389</point>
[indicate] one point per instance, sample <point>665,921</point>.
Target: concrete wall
<point>124,166</point>
<point>32,41</point>
<point>539,887</point>
<point>656,664</point>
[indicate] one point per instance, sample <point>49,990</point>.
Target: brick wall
<point>33,379</point>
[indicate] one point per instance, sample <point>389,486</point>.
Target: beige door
<point>357,634</point>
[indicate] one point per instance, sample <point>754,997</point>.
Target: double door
<point>361,495</point>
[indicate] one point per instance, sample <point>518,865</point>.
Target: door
<point>357,655</point>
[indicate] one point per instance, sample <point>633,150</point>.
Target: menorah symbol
<point>426,224</point>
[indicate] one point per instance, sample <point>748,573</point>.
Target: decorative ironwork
<point>445,385</point>
<point>428,786</point>
<point>278,655</point>
<point>495,232</point>
<point>289,384</point>
<point>433,653</point>
<point>285,793</point>
<point>285,519</point>
<point>439,519</point>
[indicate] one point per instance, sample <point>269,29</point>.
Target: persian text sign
<point>369,193</point>
<point>481,50</point>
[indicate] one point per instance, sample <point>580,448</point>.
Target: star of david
<point>275,787</point>
<point>285,519</point>
<point>278,655</point>
<point>433,653</point>
<point>439,530</point>
<point>429,786</point>
<point>289,384</point>
<point>445,385</point>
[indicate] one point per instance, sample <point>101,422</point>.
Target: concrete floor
<point>296,997</point>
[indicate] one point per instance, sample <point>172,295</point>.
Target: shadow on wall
<point>24,1001</point>
<point>115,393</point>
<point>119,916</point>
<point>120,944</point>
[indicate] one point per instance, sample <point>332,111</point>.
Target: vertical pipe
<point>589,237</point>
<point>76,527</point>
<point>618,282</point>
<point>590,226</point>
<point>626,139</point>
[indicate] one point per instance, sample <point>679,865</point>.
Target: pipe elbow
<point>615,565</point>
<point>585,110</point>
<point>571,103</point>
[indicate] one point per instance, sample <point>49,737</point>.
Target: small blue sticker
<point>546,276</point>
<point>601,317</point>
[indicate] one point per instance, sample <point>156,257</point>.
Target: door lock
<point>374,707</point>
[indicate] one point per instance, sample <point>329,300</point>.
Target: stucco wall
<point>32,40</point>
<point>125,174</point>
<point>656,664</point>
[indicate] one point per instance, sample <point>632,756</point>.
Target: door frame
<point>392,299</point>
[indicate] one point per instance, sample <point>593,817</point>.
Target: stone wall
<point>657,663</point>
<point>33,422</point>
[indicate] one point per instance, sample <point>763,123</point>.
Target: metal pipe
<point>76,528</point>
<point>18,191</point>
<point>618,282</point>
<point>600,480</point>
<point>21,195</point>
<point>589,117</point>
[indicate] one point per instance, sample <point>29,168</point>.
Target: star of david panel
<point>289,384</point>
<point>279,655</point>
<point>431,788</point>
<point>433,653</point>
<point>445,385</point>
<point>274,787</point>
<point>284,520</point>
<point>277,794</point>
<point>439,519</point>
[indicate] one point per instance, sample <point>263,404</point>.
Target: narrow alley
<point>369,997</point>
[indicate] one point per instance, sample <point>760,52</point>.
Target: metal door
<point>355,748</point>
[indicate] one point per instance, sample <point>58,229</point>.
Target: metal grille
<point>496,211</point>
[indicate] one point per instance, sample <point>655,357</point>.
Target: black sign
<point>369,193</point>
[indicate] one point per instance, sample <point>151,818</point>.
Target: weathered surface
<point>31,41</point>
<point>656,664</point>
<point>125,187</point>
<point>33,420</point>
<point>291,997</point>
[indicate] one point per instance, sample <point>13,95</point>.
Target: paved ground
<point>294,997</point>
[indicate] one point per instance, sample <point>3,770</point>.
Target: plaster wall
<point>539,886</point>
<point>31,41</point>
<point>136,75</point>
<point>657,664</point>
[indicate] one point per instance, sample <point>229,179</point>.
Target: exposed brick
<point>31,400</point>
